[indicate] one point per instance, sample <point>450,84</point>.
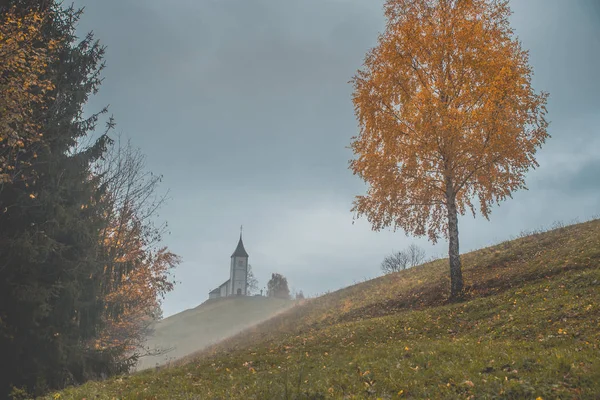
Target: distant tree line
<point>82,268</point>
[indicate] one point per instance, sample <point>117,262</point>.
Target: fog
<point>192,330</point>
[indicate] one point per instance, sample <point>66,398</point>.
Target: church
<point>237,283</point>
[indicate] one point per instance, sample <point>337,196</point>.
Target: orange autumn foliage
<point>137,269</point>
<point>135,278</point>
<point>448,118</point>
<point>24,59</point>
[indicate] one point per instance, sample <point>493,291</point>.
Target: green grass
<point>529,328</point>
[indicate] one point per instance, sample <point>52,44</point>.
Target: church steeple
<point>237,284</point>
<point>239,250</point>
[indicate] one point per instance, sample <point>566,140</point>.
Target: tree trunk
<point>456,279</point>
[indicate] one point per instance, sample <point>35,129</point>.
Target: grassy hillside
<point>529,328</point>
<point>212,321</point>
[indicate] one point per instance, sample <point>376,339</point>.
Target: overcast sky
<point>244,107</point>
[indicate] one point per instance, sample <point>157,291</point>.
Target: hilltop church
<point>237,283</point>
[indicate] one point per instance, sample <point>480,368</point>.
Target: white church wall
<point>240,275</point>
<point>231,288</point>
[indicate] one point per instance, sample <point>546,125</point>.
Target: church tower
<point>238,276</point>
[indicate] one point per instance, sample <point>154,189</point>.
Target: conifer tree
<point>81,268</point>
<point>49,223</point>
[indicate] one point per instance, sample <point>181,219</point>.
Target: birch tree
<point>449,121</point>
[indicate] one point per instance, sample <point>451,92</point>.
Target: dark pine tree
<point>50,220</point>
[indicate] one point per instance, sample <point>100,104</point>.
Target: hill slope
<point>529,328</point>
<point>210,322</point>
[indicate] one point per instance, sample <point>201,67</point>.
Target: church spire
<point>239,250</point>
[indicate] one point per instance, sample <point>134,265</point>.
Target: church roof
<point>239,250</point>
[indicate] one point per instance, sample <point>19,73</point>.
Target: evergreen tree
<point>49,226</point>
<point>74,253</point>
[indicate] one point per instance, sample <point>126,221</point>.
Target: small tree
<point>400,260</point>
<point>278,287</point>
<point>448,118</point>
<point>395,262</point>
<point>252,283</point>
<point>137,268</point>
<point>299,295</point>
<point>416,255</point>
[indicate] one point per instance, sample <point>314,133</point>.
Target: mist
<point>192,330</point>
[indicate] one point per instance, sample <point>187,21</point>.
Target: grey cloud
<point>584,180</point>
<point>244,107</point>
